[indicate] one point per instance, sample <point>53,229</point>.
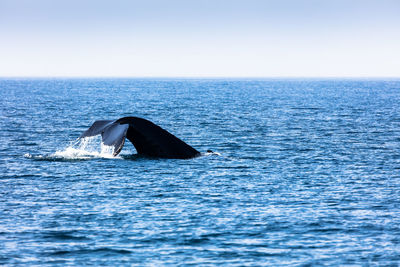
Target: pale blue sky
<point>203,38</point>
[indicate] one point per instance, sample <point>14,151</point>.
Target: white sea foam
<point>86,148</point>
<point>212,153</point>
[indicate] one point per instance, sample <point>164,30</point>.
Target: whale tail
<point>148,138</point>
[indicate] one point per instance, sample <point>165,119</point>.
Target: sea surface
<point>306,172</point>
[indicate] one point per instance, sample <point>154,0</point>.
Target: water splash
<point>81,149</point>
<point>211,153</point>
<point>86,148</point>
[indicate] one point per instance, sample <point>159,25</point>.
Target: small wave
<point>64,235</point>
<point>105,251</point>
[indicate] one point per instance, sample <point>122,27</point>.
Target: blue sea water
<point>306,172</point>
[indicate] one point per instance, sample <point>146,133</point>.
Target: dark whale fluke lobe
<point>148,138</point>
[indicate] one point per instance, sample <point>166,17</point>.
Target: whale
<point>148,138</point>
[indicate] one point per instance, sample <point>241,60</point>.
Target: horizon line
<point>200,77</point>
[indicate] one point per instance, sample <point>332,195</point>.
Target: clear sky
<point>200,38</point>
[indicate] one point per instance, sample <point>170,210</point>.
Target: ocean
<point>305,172</point>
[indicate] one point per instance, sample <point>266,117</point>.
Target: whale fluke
<point>148,138</point>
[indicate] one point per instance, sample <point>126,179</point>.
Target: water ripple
<point>306,172</point>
